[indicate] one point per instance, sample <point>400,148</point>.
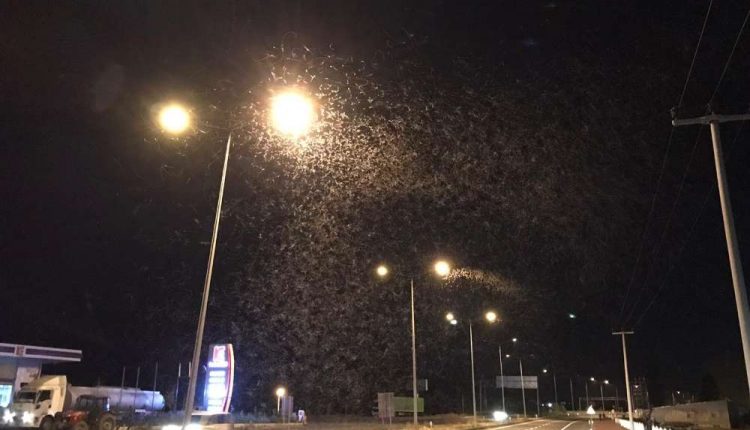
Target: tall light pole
<point>523,385</point>
<point>572,397</point>
<point>280,392</point>
<point>502,375</point>
<point>491,317</point>
<point>442,268</point>
<point>292,115</point>
<point>415,393</point>
<point>554,382</point>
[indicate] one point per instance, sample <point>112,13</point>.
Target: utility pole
<point>588,402</point>
<point>523,387</point>
<point>627,375</point>
<point>415,393</point>
<point>554,381</point>
<point>733,249</point>
<point>502,376</point>
<point>572,398</point>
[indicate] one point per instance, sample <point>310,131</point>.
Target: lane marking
<point>571,423</point>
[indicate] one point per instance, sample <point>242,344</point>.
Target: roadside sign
<point>529,382</point>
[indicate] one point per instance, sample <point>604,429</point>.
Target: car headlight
<point>171,427</point>
<point>27,417</point>
<point>8,416</point>
<point>499,415</point>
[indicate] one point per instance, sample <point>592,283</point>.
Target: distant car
<point>202,420</point>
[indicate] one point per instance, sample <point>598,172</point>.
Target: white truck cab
<point>37,402</point>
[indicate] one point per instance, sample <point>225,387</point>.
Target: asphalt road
<point>544,424</point>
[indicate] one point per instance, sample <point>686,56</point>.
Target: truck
<point>41,402</point>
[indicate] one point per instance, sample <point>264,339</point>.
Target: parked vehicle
<point>38,403</point>
<point>88,413</point>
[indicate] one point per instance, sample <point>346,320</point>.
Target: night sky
<point>523,140</point>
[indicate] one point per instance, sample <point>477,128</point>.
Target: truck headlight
<point>8,416</point>
<point>27,417</point>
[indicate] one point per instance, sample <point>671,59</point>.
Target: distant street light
<point>544,370</point>
<point>382,271</point>
<point>572,316</point>
<point>292,115</point>
<point>280,392</point>
<point>502,376</point>
<point>442,269</point>
<point>450,317</point>
<point>491,317</point>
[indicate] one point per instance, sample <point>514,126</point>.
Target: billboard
<point>529,382</point>
<point>219,378</point>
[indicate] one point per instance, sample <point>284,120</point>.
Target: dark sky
<point>101,214</point>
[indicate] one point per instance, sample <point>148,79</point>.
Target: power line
<point>729,60</point>
<point>695,54</point>
<point>648,222</point>
<point>689,235</point>
<point>663,168</point>
<point>668,224</point>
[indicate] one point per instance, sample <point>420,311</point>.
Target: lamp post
<point>442,268</point>
<point>491,317</point>
<point>602,383</point>
<point>554,382</point>
<point>280,392</point>
<point>502,375</point>
<point>292,115</point>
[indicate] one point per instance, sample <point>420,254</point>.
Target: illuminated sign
<point>219,378</point>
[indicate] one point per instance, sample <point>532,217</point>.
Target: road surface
<point>549,424</point>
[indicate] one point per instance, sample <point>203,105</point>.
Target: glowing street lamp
<point>382,271</point>
<point>442,268</point>
<point>515,339</point>
<point>280,392</point>
<point>491,317</point>
<point>174,119</point>
<point>292,113</point>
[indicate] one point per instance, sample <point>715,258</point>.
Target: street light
<point>491,317</point>
<point>520,368</point>
<point>280,392</point>
<point>382,271</point>
<point>602,383</point>
<point>293,115</point>
<point>174,118</point>
<point>442,269</point>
